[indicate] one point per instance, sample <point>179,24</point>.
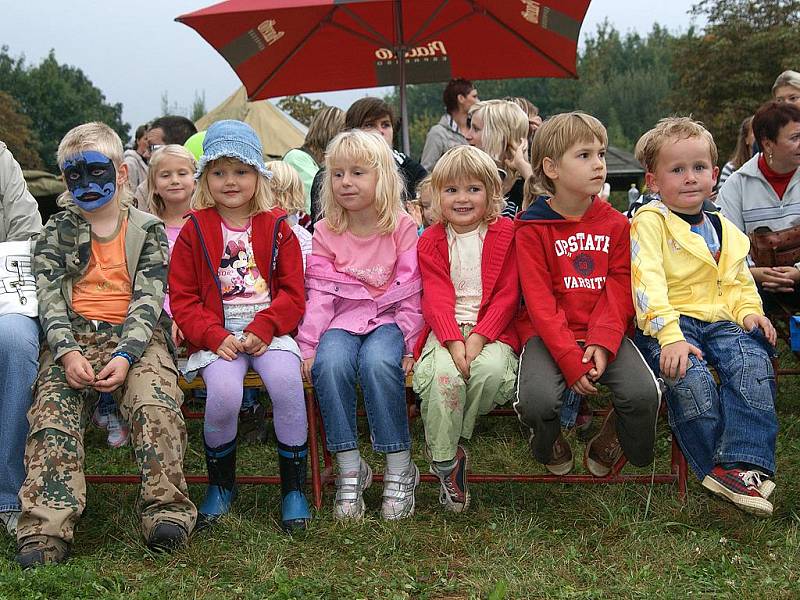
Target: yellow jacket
<point>673,274</point>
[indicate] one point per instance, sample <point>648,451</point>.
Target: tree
<point>301,108</point>
<point>16,133</point>
<point>56,98</point>
<point>198,106</point>
<point>727,71</point>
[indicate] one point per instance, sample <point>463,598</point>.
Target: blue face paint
<point>91,179</point>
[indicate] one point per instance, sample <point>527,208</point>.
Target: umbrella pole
<point>400,52</point>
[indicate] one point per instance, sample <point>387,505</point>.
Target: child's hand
<point>252,344</point>
<point>583,386</point>
<point>306,369</point>
<point>177,336</point>
<point>458,351</point>
<point>474,346</point>
<point>518,159</point>
<point>599,355</point>
<point>112,375</point>
<point>408,364</point>
<point>775,279</point>
<point>78,370</point>
<point>415,212</point>
<point>755,320</point>
<point>675,359</point>
<point>229,348</point>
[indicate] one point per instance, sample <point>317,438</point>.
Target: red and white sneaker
<point>741,488</point>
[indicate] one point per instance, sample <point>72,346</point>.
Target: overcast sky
<point>134,51</point>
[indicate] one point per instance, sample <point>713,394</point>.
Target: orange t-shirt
<point>104,291</point>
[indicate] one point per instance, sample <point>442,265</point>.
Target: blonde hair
<point>504,124</point>
<point>287,189</point>
<point>671,129</point>
<point>261,201</point>
<point>463,163</point>
<point>323,127</point>
<point>424,185</point>
<point>95,136</point>
<point>788,77</point>
<point>552,140</point>
<point>155,203</point>
<point>367,150</point>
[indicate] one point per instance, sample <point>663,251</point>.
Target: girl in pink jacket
<point>362,320</point>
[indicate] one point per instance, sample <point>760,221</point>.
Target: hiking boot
<point>454,491</point>
<point>37,550</point>
<point>398,493</point>
<point>118,431</point>
<point>292,461</point>
<point>562,462</point>
<point>604,452</point>
<point>583,422</point>
<point>253,425</point>
<point>739,487</point>
<point>349,503</point>
<point>167,537</point>
<point>9,519</point>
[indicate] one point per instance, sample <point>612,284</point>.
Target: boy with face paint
<point>101,268</point>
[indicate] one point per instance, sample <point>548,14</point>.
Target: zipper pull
<point>719,287</point>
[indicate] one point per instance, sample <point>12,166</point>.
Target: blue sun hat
<point>232,139</point>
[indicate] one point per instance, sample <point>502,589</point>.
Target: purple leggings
<point>280,372</point>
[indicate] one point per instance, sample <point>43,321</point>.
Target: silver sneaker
<point>349,503</point>
<point>9,519</point>
<point>398,494</point>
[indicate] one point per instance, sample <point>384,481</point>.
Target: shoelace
<point>751,479</point>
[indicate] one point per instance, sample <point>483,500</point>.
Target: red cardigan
<point>194,289</point>
<point>576,281</point>
<point>498,280</point>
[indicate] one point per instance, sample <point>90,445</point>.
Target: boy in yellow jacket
<point>697,307</point>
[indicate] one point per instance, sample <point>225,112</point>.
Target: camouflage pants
<point>53,496</point>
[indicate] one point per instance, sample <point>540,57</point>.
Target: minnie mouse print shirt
<point>240,280</point>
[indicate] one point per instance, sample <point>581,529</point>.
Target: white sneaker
<point>118,431</point>
<point>349,503</point>
<point>398,494</point>
<point>10,518</point>
<point>98,418</point>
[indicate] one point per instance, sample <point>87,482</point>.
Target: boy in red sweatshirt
<point>573,253</point>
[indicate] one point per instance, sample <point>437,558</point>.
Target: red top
<point>195,295</point>
<point>499,282</point>
<point>576,281</point>
<point>778,181</point>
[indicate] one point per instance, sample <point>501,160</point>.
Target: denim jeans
<point>735,421</point>
<point>19,363</point>
<point>375,361</point>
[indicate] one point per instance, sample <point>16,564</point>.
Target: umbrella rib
<point>367,27</point>
<point>268,78</point>
<point>428,21</point>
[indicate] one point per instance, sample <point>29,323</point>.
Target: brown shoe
<point>562,462</point>
<point>604,451</point>
<point>37,550</point>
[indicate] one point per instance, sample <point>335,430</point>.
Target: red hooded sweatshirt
<point>576,281</point>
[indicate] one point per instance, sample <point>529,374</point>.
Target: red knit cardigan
<point>499,282</point>
<point>194,288</point>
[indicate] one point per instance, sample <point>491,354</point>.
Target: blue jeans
<point>735,421</point>
<point>19,363</point>
<point>375,361</point>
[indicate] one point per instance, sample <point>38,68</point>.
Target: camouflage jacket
<point>60,259</point>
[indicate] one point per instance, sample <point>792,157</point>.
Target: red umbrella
<point>284,47</point>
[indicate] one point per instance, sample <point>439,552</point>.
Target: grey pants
<point>636,396</point>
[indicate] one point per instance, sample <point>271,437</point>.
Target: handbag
<point>17,284</point>
<point>775,248</point>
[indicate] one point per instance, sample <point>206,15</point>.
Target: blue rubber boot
<point>295,513</point>
<point>221,491</point>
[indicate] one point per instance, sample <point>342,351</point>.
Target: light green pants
<point>451,405</point>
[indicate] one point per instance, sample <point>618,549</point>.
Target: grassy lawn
<point>517,541</point>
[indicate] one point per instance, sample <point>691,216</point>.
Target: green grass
<point>516,541</point>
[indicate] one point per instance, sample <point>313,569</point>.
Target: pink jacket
<point>335,300</point>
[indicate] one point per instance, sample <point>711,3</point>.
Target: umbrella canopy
<point>283,47</point>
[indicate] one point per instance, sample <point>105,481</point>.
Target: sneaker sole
<point>755,506</point>
<point>766,488</point>
<point>562,469</point>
